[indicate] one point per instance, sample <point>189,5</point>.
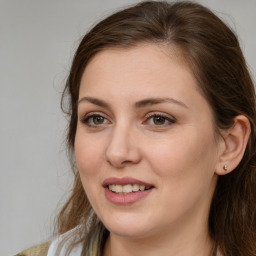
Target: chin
<point>128,233</point>
<point>128,227</point>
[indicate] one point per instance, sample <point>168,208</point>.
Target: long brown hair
<point>212,51</point>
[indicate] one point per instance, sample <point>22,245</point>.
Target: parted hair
<point>212,52</point>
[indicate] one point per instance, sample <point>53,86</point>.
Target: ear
<point>235,141</point>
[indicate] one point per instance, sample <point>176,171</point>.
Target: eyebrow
<point>154,101</point>
<point>139,104</point>
<point>95,101</point>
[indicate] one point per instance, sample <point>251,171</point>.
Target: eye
<point>159,119</point>
<point>94,120</point>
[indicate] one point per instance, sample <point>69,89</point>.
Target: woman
<point>161,138</point>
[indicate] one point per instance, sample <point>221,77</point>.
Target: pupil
<point>159,120</point>
<point>98,120</point>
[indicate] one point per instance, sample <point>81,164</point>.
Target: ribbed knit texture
<point>38,250</point>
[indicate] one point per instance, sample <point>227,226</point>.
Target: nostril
<point>126,162</point>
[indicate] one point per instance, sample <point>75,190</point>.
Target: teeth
<point>142,187</point>
<point>135,187</point>
<point>118,189</point>
<point>126,189</point>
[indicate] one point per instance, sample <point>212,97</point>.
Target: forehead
<point>145,66</point>
<point>142,53</point>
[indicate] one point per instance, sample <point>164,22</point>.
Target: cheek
<point>185,171</point>
<point>87,152</point>
<point>89,157</point>
<point>185,159</point>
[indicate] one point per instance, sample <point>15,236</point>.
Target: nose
<point>122,149</point>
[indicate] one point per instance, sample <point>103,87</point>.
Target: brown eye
<point>94,120</point>
<point>159,120</point>
<point>98,120</point>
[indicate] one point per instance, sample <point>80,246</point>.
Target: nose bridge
<point>122,148</point>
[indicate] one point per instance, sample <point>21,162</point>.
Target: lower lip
<point>123,199</point>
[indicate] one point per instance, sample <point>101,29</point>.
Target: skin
<point>178,155</point>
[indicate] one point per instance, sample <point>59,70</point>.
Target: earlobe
<point>235,142</point>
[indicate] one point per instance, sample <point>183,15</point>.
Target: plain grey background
<point>37,41</point>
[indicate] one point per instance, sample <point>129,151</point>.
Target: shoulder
<point>58,246</point>
<point>38,250</point>
<point>65,244</point>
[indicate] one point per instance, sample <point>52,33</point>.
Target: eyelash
<point>88,119</point>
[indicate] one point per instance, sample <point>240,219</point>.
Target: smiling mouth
<point>127,189</point>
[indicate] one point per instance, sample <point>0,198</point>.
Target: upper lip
<point>124,181</point>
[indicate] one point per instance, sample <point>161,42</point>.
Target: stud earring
<point>225,168</point>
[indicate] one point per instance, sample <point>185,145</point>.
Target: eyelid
<point>157,113</point>
<point>93,113</point>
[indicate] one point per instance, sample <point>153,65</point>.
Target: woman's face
<point>145,144</point>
